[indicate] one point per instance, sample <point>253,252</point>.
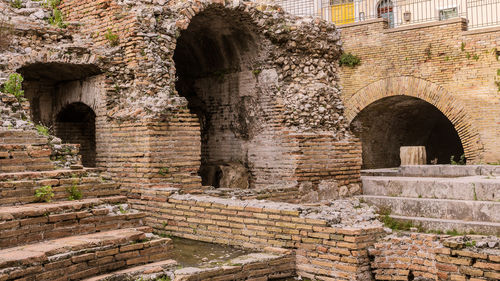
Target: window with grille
<point>448,13</point>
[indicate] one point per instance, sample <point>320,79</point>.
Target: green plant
<point>57,19</point>
<point>349,59</point>
<point>123,211</point>
<point>470,243</point>
<point>460,162</point>
<point>475,57</point>
<point>44,193</point>
<point>113,38</point>
<point>14,86</point>
<point>74,192</point>
<point>163,171</point>
<point>164,278</point>
<point>42,130</point>
<point>453,232</point>
<point>256,72</point>
<point>462,47</point>
<point>18,4</point>
<point>52,4</point>
<point>388,221</point>
<point>474,190</point>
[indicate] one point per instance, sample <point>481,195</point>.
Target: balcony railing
<point>479,13</point>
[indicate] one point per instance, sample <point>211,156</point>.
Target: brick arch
<point>191,9</point>
<point>434,94</point>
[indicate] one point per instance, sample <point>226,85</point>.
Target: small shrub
<point>57,19</point>
<point>122,210</point>
<point>42,130</point>
<point>256,72</point>
<point>461,161</point>
<point>163,171</point>
<point>14,86</point>
<point>74,192</point>
<point>349,59</point>
<point>44,193</point>
<point>113,39</point>
<point>18,4</point>
<point>51,4</point>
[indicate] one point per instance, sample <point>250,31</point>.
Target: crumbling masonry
<point>186,115</point>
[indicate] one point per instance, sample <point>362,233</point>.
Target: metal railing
<point>479,13</point>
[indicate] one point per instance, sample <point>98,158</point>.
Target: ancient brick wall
<point>436,257</point>
<point>147,132</point>
<point>441,63</point>
<point>325,246</point>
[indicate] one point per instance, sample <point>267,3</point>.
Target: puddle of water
<point>192,253</point>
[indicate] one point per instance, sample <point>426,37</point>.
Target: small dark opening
<point>76,124</point>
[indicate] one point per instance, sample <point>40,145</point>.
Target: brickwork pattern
<point>322,251</point>
<point>441,63</point>
<point>433,257</point>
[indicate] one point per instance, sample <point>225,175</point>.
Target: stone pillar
<point>413,155</point>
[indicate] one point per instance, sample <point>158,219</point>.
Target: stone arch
<point>434,94</point>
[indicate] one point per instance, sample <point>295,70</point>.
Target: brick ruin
<point>208,120</point>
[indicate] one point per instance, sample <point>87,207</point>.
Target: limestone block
<point>413,155</point>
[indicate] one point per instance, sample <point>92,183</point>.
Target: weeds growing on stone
<point>113,38</point>
<point>163,171</point>
<point>74,192</point>
<point>388,221</point>
<point>42,130</point>
<point>44,193</point>
<point>349,59</point>
<point>57,19</point>
<point>459,162</point>
<point>14,86</point>
<point>17,4</point>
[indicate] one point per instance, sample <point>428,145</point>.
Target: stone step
<point>432,224</point>
<point>83,256</point>
<point>449,170</point>
<point>38,222</point>
<point>482,188</point>
<point>16,192</point>
<point>135,273</point>
<point>465,210</point>
<point>17,133</point>
<point>52,174</point>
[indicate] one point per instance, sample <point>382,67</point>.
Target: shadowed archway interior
<point>213,58</point>
<point>75,123</point>
<point>389,123</point>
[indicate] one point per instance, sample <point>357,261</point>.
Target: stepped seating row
<point>37,222</point>
<point>59,239</point>
<point>17,189</point>
<point>78,257</point>
<point>24,151</point>
<point>464,204</point>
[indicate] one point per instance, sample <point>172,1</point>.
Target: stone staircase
<point>438,198</point>
<point>62,239</point>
